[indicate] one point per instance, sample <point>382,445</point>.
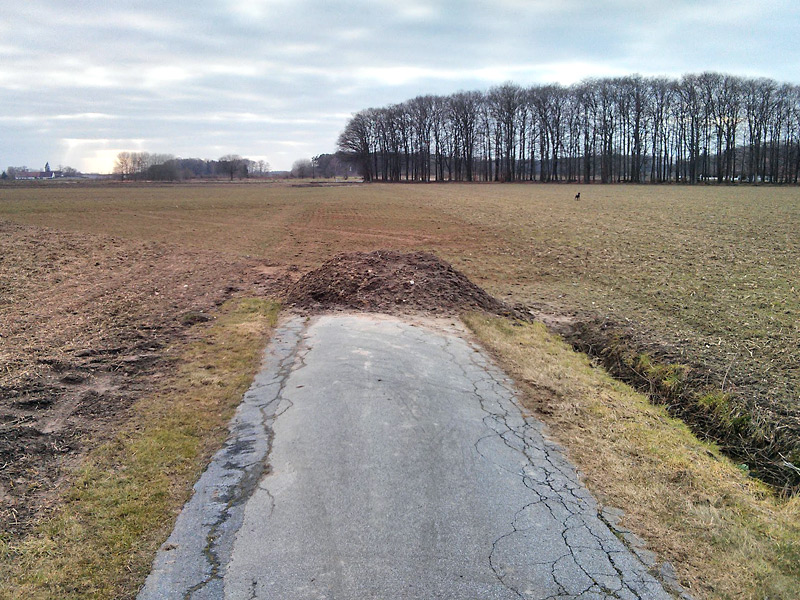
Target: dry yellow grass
<point>727,535</point>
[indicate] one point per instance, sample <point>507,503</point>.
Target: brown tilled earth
<point>389,281</point>
<point>86,328</point>
<point>97,282</point>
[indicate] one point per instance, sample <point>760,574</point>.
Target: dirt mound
<point>390,281</point>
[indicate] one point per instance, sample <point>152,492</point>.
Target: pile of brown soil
<point>389,281</point>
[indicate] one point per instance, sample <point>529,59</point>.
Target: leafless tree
<point>302,168</point>
<point>232,165</point>
<point>699,128</point>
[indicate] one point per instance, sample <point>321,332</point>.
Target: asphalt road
<point>375,458</point>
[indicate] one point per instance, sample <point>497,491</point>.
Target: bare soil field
<point>86,323</point>
<point>699,277</point>
<point>679,289</point>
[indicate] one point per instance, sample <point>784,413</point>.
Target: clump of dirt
<point>391,281</point>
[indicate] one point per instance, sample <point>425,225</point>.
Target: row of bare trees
<point>165,167</point>
<point>701,127</point>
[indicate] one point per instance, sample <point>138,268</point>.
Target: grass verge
<point>727,535</point>
<point>121,503</point>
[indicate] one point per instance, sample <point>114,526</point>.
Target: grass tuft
<point>668,378</point>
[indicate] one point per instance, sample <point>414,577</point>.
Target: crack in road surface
<point>191,562</point>
<point>401,467</point>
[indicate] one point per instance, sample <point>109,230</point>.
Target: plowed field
<point>96,281</point>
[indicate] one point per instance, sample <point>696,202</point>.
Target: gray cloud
<point>277,79</point>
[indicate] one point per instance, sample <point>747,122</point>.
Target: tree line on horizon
<point>23,172</point>
<point>166,167</point>
<point>146,166</point>
<point>699,128</point>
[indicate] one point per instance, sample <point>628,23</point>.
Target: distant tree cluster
<point>165,167</point>
<point>302,168</point>
<point>331,165</point>
<point>701,127</point>
<point>325,166</point>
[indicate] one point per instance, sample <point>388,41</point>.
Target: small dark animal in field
<point>578,196</point>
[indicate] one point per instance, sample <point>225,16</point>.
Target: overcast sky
<point>276,80</point>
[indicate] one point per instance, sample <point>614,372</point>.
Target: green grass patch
<point>727,411</point>
<point>122,500</point>
<point>667,379</point>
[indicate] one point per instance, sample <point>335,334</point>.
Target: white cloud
<point>564,72</point>
<point>231,117</point>
<point>271,77</point>
<point>255,9</point>
<point>83,117</point>
<point>415,11</point>
<point>158,77</point>
<point>65,117</point>
<point>569,72</point>
<point>97,155</point>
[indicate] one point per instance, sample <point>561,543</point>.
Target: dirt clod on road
<point>390,281</point>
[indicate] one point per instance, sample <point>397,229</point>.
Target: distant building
<point>46,174</point>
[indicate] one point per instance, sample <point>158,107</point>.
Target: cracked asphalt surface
<point>378,458</point>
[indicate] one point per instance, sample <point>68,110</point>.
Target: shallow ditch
<point>763,441</point>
